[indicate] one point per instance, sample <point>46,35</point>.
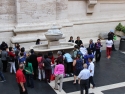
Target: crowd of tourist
<point>29,66</point>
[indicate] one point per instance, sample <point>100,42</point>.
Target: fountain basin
<point>53,37</point>
<point>61,46</point>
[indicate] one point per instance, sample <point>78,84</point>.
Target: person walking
<point>98,50</point>
<point>59,74</point>
<point>109,44</point>
<point>21,80</point>
<point>47,66</point>
<point>111,36</point>
<point>78,64</point>
<point>29,74</point>
<point>91,69</point>
<point>11,60</point>
<point>41,71</point>
<point>83,80</point>
<point>4,55</point>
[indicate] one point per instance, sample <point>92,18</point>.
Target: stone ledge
<point>26,39</point>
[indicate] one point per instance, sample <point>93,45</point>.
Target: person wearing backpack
<point>75,51</point>
<point>78,64</point>
<point>22,59</point>
<point>11,60</point>
<point>4,55</point>
<point>41,71</point>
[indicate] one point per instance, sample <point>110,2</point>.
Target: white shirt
<point>83,50</point>
<point>91,68</point>
<point>84,74</point>
<point>109,43</point>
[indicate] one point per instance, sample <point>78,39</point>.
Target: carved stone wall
<point>35,11</point>
<point>27,20</point>
<point>7,12</point>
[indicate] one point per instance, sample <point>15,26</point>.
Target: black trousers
<point>91,81</point>
<point>29,80</point>
<point>113,46</point>
<point>16,64</point>
<point>69,68</point>
<point>84,85</point>
<point>48,75</point>
<point>98,55</point>
<point>4,65</point>
<point>21,90</point>
<point>35,70</point>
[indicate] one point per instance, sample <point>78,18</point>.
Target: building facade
<point>24,21</point>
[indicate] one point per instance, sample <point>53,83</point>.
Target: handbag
<point>115,37</point>
<point>10,59</point>
<point>52,77</point>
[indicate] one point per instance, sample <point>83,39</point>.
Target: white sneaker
<point>2,81</point>
<point>72,74</point>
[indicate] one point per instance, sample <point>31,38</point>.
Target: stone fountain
<point>53,36</point>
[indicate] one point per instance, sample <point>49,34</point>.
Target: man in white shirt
<point>83,79</point>
<point>83,50</point>
<point>91,69</point>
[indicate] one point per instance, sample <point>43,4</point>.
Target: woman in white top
<point>109,44</point>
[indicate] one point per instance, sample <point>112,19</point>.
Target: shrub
<point>119,27</point>
<point>123,29</point>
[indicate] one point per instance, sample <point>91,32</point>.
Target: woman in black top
<point>71,39</point>
<point>47,66</point>
<point>37,41</point>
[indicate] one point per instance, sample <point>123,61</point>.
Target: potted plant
<point>120,30</point>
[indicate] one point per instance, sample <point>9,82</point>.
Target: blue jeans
<point>2,76</point>
<point>29,79</point>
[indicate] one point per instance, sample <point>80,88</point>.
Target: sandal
<point>55,89</point>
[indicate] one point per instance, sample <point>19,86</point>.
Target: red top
<point>20,76</point>
<point>11,54</point>
<point>52,59</point>
<point>40,62</point>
